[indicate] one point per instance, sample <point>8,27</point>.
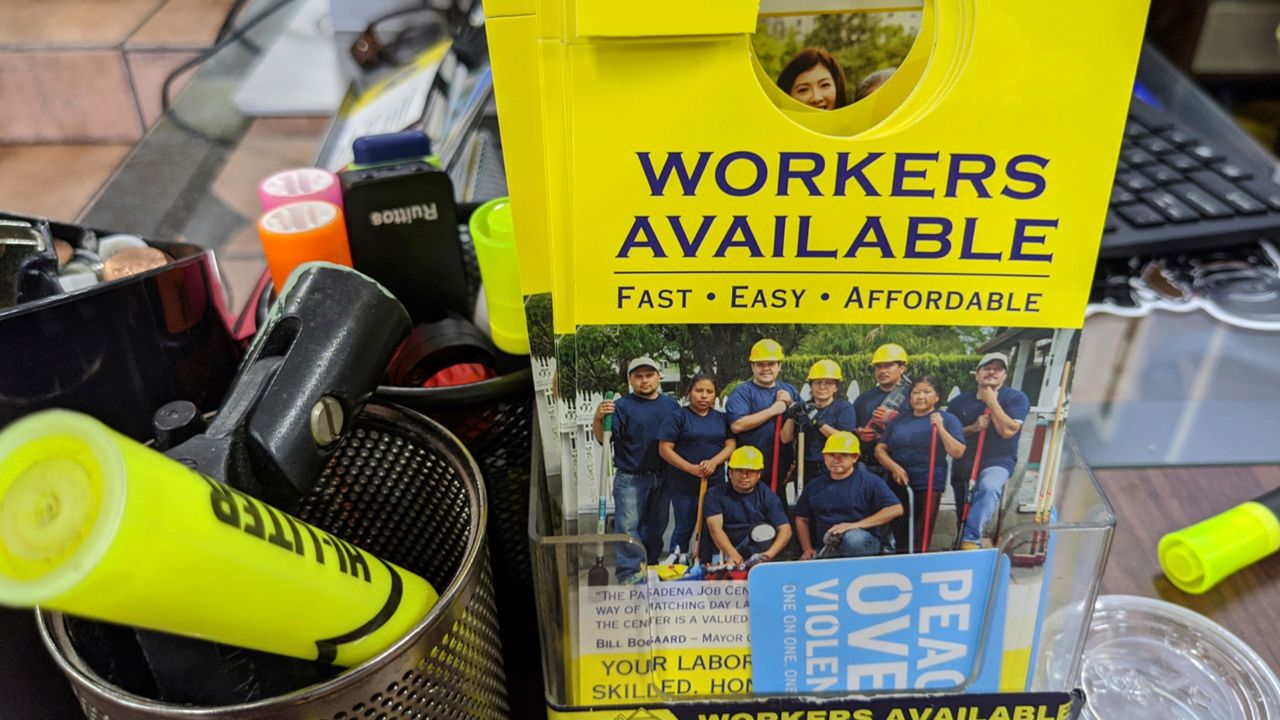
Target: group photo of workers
<point>844,446</point>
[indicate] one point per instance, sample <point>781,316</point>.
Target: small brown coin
<point>64,250</point>
<point>131,261</point>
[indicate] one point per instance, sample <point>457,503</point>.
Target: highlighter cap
<point>301,232</point>
<point>1197,557</point>
<point>390,147</point>
<point>62,496</point>
<point>493,233</point>
<point>299,185</point>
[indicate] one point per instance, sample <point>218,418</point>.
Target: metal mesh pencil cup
<point>404,488</point>
<point>494,419</point>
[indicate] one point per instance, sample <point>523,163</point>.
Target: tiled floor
<point>81,84</point>
<point>82,79</point>
<point>56,181</point>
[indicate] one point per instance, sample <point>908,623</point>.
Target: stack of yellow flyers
<point>804,281</point>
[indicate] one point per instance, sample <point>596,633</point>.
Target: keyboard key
<point>1178,138</point>
<point>1245,203</point>
<point>1227,192</point>
<point>1137,157</point>
<point>1204,203</point>
<point>1232,172</point>
<point>1211,181</point>
<point>1155,145</point>
<point>1170,206</point>
<point>1266,191</point>
<point>1109,225</point>
<point>1133,130</point>
<point>1149,117</point>
<point>1135,182</point>
<point>1140,215</point>
<point>1204,153</point>
<point>1183,163</point>
<point>1121,196</point>
<point>1162,174</point>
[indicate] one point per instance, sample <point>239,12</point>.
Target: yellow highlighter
<point>97,525</point>
<point>1195,558</point>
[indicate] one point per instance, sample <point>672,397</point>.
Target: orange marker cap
<point>303,232</point>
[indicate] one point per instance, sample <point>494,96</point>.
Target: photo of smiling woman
<point>695,441</point>
<point>909,442</point>
<point>815,78</point>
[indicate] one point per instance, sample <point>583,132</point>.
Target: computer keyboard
<point>1176,190</point>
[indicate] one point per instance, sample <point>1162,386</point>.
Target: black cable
<point>165,102</point>
<point>229,20</point>
<point>228,23</point>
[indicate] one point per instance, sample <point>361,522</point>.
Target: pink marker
<point>298,185</point>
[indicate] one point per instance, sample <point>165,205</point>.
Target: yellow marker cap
<point>1197,557</point>
<point>493,233</point>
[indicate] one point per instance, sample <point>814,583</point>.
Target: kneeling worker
<point>734,512</point>
<point>847,509</point>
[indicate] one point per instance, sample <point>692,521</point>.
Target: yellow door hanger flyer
<point>980,200</point>
<point>808,285</point>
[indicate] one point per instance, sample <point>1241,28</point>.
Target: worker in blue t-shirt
<point>757,409</point>
<point>694,441</point>
<point>825,415</point>
<point>1000,410</point>
<point>845,511</point>
<point>905,451</point>
<point>638,497</point>
<point>743,517</point>
<point>878,406</point>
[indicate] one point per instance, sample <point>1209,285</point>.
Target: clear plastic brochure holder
<point>623,647</point>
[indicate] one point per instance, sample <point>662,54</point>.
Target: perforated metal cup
<point>494,419</point>
<point>405,489</point>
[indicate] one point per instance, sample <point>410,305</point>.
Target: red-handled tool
<point>928,501</point>
<point>973,481</point>
<point>777,440</point>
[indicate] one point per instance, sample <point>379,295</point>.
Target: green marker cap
<point>493,232</point>
<point>1196,558</point>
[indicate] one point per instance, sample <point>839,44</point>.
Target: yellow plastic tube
<point>493,233</point>
<point>1196,558</point>
<point>97,525</point>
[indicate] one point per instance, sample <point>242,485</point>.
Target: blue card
<point>878,623</point>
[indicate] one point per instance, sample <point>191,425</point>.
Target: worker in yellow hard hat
<point>744,518</point>
<point>845,511</point>
<point>877,406</point>
<point>757,409</point>
<point>828,413</point>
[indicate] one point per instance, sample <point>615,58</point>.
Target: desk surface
<point>1152,502</point>
<point>1175,390</point>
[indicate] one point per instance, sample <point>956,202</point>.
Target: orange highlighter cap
<point>303,232</point>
